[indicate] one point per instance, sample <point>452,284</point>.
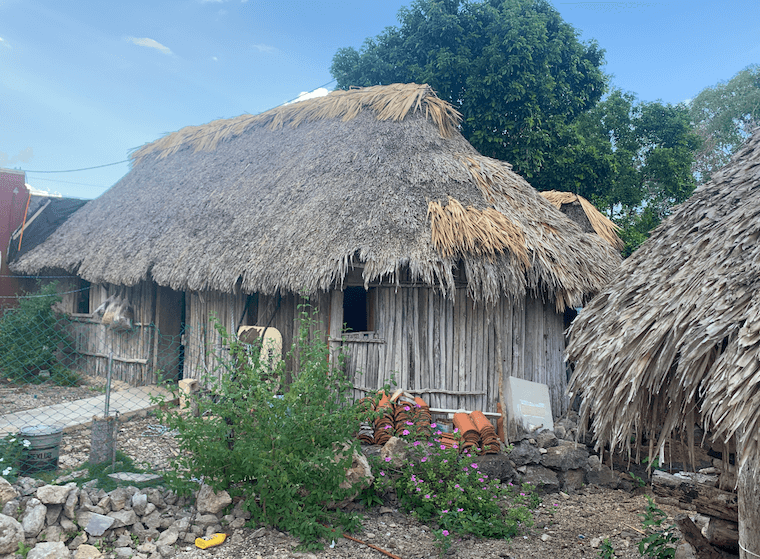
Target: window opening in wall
<point>82,298</point>
<point>357,309</point>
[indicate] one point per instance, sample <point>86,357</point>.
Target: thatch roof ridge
<point>604,226</point>
<point>392,102</point>
<point>677,335</point>
<point>295,208</point>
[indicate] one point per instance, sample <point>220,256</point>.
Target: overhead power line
<point>84,168</point>
<point>127,160</point>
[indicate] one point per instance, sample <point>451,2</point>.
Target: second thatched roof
<point>585,214</point>
<point>676,337</point>
<point>291,199</point>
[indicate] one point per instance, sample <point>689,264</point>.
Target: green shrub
<point>31,337</point>
<point>277,451</point>
<point>442,485</point>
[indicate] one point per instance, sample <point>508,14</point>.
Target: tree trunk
<point>749,509</point>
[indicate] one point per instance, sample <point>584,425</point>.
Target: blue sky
<point>83,82</point>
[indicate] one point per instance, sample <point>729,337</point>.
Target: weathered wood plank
<point>689,493</point>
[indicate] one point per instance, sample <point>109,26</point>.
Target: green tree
<point>723,116</point>
<point>646,151</point>
<point>514,69</point>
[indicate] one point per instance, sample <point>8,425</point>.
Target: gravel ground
<point>565,526</point>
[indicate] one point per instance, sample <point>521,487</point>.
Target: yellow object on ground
<point>210,541</point>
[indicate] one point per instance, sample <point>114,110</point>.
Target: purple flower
<point>405,432</point>
<point>409,422</point>
<point>387,458</point>
<point>427,496</point>
<point>433,425</point>
<point>444,511</point>
<point>456,446</point>
<point>417,443</point>
<point>424,459</point>
<point>460,510</point>
<point>445,532</point>
<point>456,429</point>
<point>382,473</point>
<point>456,486</point>
<point>445,461</point>
<point>430,444</point>
<point>406,408</point>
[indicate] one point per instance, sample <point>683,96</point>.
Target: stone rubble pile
<point>69,522</point>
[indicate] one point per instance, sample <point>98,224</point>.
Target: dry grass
<point>457,231</point>
<point>604,227</point>
<point>393,102</point>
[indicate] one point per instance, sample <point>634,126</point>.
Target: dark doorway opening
<point>356,309</point>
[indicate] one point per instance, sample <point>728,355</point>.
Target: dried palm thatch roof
<point>676,337</point>
<point>291,199</point>
<point>573,205</point>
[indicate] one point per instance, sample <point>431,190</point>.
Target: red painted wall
<point>13,200</point>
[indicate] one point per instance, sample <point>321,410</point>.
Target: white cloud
<point>4,43</point>
<point>215,59</point>
<point>150,43</point>
<point>319,92</point>
<point>264,48</point>
<point>21,157</point>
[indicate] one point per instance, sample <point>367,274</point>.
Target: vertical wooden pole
<point>749,509</point>
<point>336,325</point>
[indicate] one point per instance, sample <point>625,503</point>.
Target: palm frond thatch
<point>292,199</point>
<point>676,336</point>
<point>601,224</point>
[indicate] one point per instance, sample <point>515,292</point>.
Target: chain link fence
<point>80,387</point>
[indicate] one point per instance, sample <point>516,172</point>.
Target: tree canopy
<point>514,69</point>
<point>724,115</point>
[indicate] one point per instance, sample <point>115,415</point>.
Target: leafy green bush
<point>31,337</point>
<point>440,484</point>
<point>285,454</point>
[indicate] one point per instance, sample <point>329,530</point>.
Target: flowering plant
<point>11,449</point>
<point>442,485</point>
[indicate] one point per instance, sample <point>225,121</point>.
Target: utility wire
<point>127,160</point>
<point>83,169</point>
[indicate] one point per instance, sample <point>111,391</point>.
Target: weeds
<point>606,551</point>
<point>658,543</point>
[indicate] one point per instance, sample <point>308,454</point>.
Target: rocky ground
<point>568,524</point>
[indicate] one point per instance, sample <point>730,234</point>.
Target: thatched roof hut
<point>675,338</point>
<point>373,187</point>
<point>585,214</point>
<point>291,198</point>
